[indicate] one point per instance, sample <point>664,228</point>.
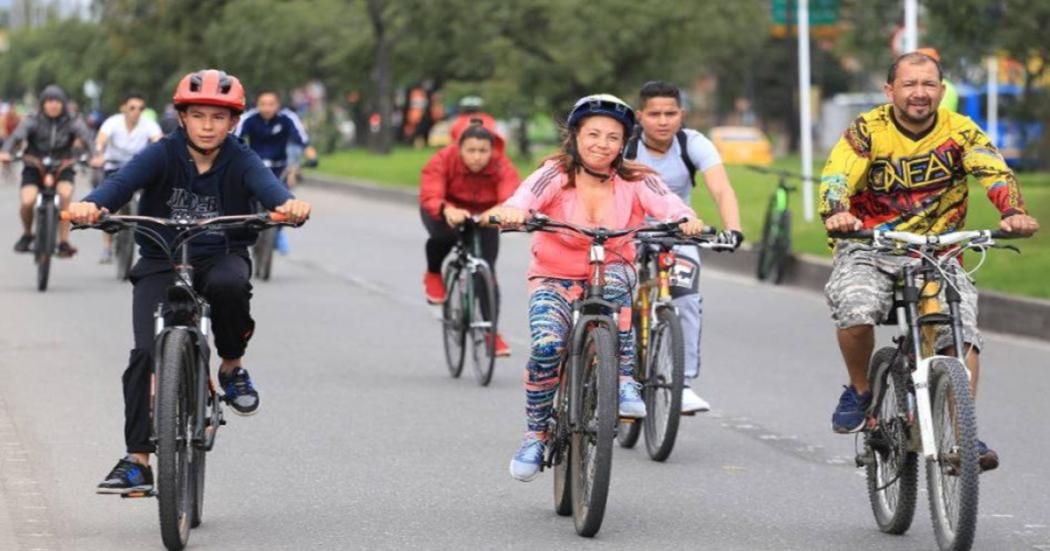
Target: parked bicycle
<point>774,250</point>
<point>586,403</point>
<point>470,312</point>
<point>46,212</point>
<point>921,401</point>
<point>660,345</point>
<point>186,410</point>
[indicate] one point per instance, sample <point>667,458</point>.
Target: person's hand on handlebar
<point>693,226</point>
<point>1020,224</point>
<point>85,213</point>
<point>843,222</point>
<point>733,238</point>
<point>455,216</point>
<point>507,217</point>
<point>296,210</point>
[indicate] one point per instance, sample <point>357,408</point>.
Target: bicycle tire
<point>782,246</point>
<point>452,322</point>
<point>950,393</point>
<point>264,246</point>
<point>124,253</point>
<point>173,411</point>
<point>597,410</point>
<point>663,397</point>
<point>483,337</point>
<point>628,432</point>
<point>765,245</point>
<point>46,228</point>
<point>197,473</point>
<point>893,472</point>
<point>560,458</point>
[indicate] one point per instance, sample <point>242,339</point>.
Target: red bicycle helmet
<point>210,87</point>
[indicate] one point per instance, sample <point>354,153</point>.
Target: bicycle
<point>262,251</point>
<point>186,410</point>
<point>775,248</point>
<point>921,402</point>
<point>470,310</point>
<point>586,405</point>
<point>660,346</point>
<point>45,213</point>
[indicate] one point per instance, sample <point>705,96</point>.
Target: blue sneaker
<point>239,391</point>
<point>631,404</point>
<point>127,477</point>
<point>282,244</point>
<point>851,413</point>
<point>525,466</point>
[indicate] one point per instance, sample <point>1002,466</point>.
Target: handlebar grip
<point>1000,234</point>
<point>860,234</point>
<point>278,217</point>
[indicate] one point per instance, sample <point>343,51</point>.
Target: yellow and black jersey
<point>891,178</point>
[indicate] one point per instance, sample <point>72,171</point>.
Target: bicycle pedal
<point>689,413</point>
<point>136,495</point>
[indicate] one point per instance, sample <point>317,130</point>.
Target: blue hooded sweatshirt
<point>171,187</point>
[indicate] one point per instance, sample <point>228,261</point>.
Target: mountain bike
<point>586,404</point>
<point>921,402</point>
<point>469,314</point>
<point>185,407</point>
<point>775,248</point>
<point>660,345</point>
<point>46,212</point>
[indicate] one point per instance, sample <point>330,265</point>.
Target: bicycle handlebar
<point>264,218</point>
<point>539,222</point>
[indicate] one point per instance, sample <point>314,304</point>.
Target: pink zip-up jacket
<point>564,255</point>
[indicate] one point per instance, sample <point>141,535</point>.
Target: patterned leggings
<point>550,319</point>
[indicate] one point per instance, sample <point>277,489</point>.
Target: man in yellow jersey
<point>904,166</point>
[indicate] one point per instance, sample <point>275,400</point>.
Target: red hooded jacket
<point>446,180</point>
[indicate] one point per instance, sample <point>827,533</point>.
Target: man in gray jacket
<point>52,132</point>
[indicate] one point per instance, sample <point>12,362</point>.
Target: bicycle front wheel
<point>482,333</point>
<point>46,232</point>
<point>197,471</point>
<point>596,405</point>
<point>766,244</point>
<point>175,452</point>
<point>453,321</point>
<point>953,478</point>
<point>892,470</point>
<point>264,253</point>
<point>663,387</point>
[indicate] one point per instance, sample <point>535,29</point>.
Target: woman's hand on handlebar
<point>691,227</point>
<point>504,217</point>
<point>843,222</point>
<point>85,213</point>
<point>455,216</point>
<point>296,210</point>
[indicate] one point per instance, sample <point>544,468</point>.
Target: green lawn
<point>1003,271</point>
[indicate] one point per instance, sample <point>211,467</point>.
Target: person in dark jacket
<point>52,132</point>
<point>198,171</point>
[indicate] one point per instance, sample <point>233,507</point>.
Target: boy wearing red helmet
<point>198,171</point>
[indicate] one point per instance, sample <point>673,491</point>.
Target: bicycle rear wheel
<point>782,246</point>
<point>766,244</point>
<point>175,452</point>
<point>46,230</point>
<point>453,321</point>
<point>893,470</point>
<point>561,454</point>
<point>953,479</point>
<point>264,253</point>
<point>596,404</point>
<point>197,472</point>
<point>482,334</point>
<point>663,387</point>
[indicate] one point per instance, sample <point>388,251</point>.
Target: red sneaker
<point>502,348</point>
<point>435,288</point>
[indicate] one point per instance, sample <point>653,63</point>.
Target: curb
<point>997,312</point>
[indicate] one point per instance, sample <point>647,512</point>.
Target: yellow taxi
<point>743,145</point>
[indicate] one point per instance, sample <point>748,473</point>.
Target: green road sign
<point>821,12</point>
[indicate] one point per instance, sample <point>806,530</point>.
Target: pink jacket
<point>564,255</point>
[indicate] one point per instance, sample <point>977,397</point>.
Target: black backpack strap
<point>631,151</point>
<point>683,142</point>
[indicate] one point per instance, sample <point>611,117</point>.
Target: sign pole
<point>911,26</point>
<point>805,104</point>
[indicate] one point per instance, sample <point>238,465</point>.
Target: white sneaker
<point>691,403</point>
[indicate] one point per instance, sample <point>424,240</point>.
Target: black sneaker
<point>127,477</point>
<point>239,391</point>
<point>23,244</point>
<point>65,250</point>
<point>988,459</point>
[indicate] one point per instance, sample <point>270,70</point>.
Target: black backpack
<point>631,151</point>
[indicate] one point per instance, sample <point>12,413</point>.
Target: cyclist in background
<point>463,179</point>
<point>121,137</point>
<point>51,132</point>
<point>198,171</point>
<point>903,166</point>
<point>590,184</point>
<point>269,129</point>
<point>676,154</point>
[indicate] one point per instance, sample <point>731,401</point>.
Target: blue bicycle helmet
<point>602,104</point>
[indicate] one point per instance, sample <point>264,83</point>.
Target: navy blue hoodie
<point>171,186</point>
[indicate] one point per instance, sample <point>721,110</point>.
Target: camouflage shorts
<point>860,291</point>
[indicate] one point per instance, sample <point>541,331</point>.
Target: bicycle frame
<point>468,259</point>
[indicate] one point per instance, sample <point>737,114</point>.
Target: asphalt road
<point>363,441</point>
